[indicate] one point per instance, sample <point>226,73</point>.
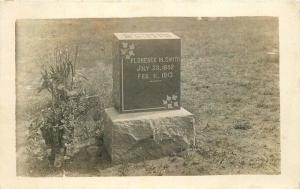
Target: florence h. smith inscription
<point>146,71</point>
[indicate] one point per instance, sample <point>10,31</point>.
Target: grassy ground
<point>230,82</point>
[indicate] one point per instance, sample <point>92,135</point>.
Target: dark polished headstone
<point>146,71</point>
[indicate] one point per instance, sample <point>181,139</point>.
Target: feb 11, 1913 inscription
<point>146,71</point>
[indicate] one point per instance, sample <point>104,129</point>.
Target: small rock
<point>242,124</point>
<point>195,162</point>
<point>58,162</point>
<point>173,159</point>
<point>66,158</point>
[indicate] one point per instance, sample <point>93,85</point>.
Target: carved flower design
<point>127,50</point>
<point>171,101</point>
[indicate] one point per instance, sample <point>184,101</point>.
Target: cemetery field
<point>229,81</point>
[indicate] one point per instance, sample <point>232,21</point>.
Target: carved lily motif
<point>127,50</point>
<point>170,101</point>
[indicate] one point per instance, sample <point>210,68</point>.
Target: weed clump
<point>52,131</point>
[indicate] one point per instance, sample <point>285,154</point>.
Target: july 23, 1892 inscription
<point>146,71</point>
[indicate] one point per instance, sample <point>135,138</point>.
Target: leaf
<point>60,87</point>
<point>81,75</point>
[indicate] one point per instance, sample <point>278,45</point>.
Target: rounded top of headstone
<point>153,35</point>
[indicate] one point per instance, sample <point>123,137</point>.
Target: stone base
<point>130,137</point>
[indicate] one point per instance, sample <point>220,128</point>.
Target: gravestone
<point>146,71</point>
<point>146,80</point>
